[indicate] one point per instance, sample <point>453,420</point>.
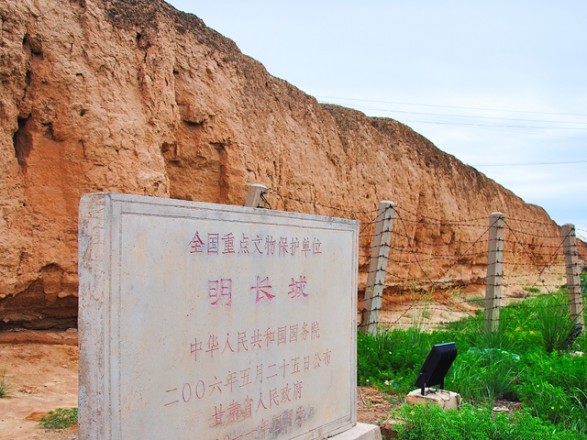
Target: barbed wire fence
<point>425,272</point>
<point>429,257</point>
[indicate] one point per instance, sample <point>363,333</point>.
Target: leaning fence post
<point>494,271</point>
<point>378,266</point>
<point>573,279</point>
<point>256,195</point>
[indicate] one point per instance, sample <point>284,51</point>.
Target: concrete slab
<point>214,321</point>
<point>361,431</point>
<point>443,398</point>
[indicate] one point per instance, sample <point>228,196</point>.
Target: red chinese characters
<point>297,288</point>
<point>262,289</point>
<point>220,292</point>
<point>217,244</point>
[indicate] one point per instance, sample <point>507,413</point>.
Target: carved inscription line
<point>255,339</point>
<point>220,290</point>
<point>281,423</point>
<point>264,373</point>
<point>214,243</point>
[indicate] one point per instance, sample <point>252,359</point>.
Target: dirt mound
<point>136,97</point>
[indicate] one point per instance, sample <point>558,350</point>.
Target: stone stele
<point>215,322</point>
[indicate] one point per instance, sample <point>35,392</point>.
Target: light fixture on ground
<point>436,366</point>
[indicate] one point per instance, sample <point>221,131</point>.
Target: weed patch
<point>529,361</point>
<point>4,386</point>
<point>60,418</point>
<point>430,422</point>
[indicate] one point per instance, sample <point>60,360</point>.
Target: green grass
<point>527,361</point>
<point>430,422</point>
<point>60,418</point>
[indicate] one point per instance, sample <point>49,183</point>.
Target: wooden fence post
<point>378,266</point>
<point>573,271</point>
<point>256,195</point>
<point>494,271</point>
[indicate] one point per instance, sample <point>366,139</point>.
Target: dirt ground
<point>41,369</point>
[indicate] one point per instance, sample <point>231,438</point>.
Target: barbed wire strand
<point>439,285</point>
<point>544,267</point>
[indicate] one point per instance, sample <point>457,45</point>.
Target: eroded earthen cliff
<point>133,96</point>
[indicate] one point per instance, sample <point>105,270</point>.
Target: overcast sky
<point>501,84</point>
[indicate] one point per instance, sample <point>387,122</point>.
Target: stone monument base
<point>443,398</point>
<point>361,431</point>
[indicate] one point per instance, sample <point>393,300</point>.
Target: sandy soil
<point>41,370</point>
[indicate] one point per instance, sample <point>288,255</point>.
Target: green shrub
<point>553,386</point>
<point>485,375</point>
<point>388,359</point>
<point>547,401</point>
<point>581,342</point>
<point>554,323</point>
<point>430,422</point>
<point>60,418</point>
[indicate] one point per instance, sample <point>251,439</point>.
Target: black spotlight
<point>436,366</point>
